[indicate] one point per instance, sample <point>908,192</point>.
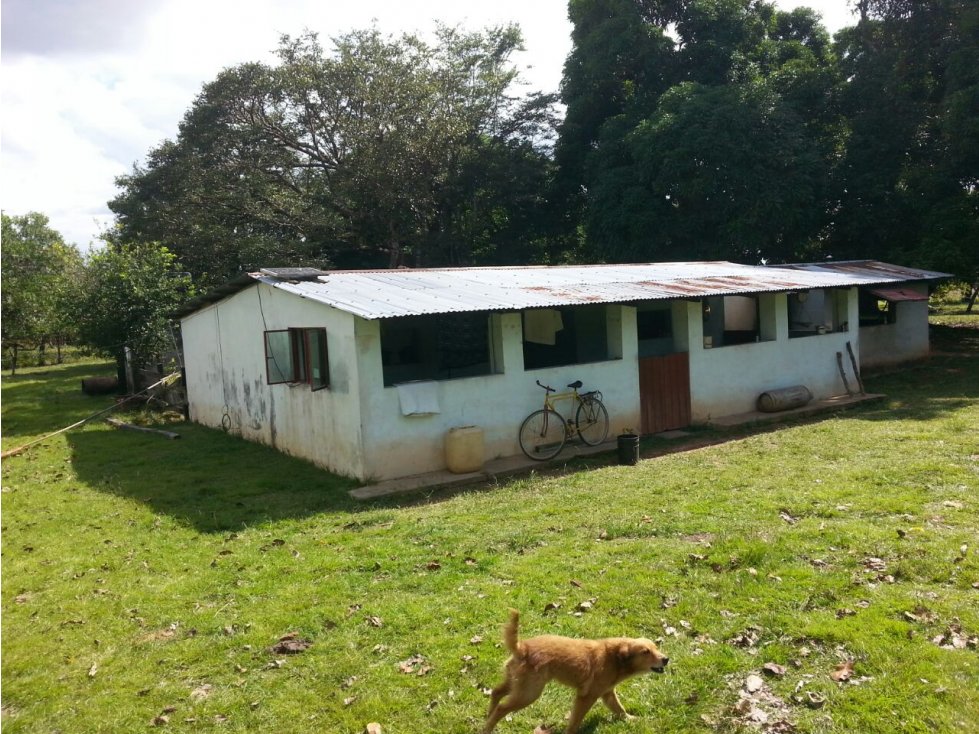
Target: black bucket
<point>628,445</point>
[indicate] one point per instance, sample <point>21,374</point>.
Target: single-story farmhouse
<point>365,372</point>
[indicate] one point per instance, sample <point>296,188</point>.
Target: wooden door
<point>664,392</point>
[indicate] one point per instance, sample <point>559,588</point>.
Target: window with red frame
<point>297,356</point>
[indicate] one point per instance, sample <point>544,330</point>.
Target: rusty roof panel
<point>394,293</point>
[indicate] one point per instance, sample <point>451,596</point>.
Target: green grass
<point>955,314</point>
<point>147,578</point>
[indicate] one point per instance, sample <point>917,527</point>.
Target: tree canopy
<point>729,128</point>
<point>707,135</point>
<point>125,300</point>
<point>39,274</point>
<point>692,129</point>
<point>377,153</point>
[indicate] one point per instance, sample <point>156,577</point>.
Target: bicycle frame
<point>551,401</point>
<point>541,438</point>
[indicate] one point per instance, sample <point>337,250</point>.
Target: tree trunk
<point>972,297</point>
<point>57,343</point>
<point>40,351</point>
<point>395,254</point>
<point>13,364</point>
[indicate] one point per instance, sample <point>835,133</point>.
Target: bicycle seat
<point>575,385</point>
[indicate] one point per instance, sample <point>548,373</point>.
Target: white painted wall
<point>398,445</point>
<point>224,351</point>
<point>728,380</point>
<point>902,341</point>
<point>356,426</point>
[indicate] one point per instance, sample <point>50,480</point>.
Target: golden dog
<point>593,667</point>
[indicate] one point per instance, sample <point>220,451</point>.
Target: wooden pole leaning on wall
<point>839,364</point>
<point>856,370</point>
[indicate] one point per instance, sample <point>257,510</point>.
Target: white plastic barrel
<point>464,449</point>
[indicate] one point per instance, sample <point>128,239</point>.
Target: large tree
<point>38,275</point>
<point>708,132</point>
<point>908,184</point>
<point>379,152</point>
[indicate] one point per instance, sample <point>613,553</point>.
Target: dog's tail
<point>510,632</point>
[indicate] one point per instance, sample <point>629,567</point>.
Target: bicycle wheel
<point>591,420</point>
<point>542,435</point>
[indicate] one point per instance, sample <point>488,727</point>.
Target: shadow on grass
<point>207,479</point>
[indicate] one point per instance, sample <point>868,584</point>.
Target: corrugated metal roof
<point>393,293</point>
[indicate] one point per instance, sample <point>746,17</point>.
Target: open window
<point>730,320</point>
<point>875,310</point>
<point>817,311</point>
<point>297,356</point>
<point>880,305</point>
<point>436,347</point>
<point>654,330</point>
<point>554,337</point>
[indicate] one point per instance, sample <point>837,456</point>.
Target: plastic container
<point>464,449</point>
<point>628,448</point>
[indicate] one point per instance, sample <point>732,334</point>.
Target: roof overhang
<point>896,295</point>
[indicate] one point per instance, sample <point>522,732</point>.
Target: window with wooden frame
<point>297,356</point>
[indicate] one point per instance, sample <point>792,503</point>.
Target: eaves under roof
<point>377,294</point>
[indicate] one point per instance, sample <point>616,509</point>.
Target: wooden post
<point>839,363</point>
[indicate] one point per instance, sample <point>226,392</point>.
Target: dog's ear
<point>624,652</point>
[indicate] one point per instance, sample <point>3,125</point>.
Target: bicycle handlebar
<point>546,387</point>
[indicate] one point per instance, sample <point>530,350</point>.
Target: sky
<point>89,87</point>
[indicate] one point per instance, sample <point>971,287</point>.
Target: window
<point>730,320</point>
<point>817,311</point>
<point>297,356</point>
<point>553,337</point>
<point>654,328</point>
<point>437,347</point>
<point>874,310</point>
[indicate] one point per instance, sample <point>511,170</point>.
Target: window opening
<point>564,336</point>
<point>730,320</point>
<point>816,311</point>
<point>654,329</point>
<point>436,347</point>
<point>875,311</point>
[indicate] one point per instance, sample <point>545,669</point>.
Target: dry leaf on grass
<point>373,728</point>
<point>875,564</point>
<point>415,665</point>
<point>842,672</point>
<point>291,644</point>
<point>201,692</point>
<point>774,669</point>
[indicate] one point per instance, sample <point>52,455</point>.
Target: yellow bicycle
<point>544,432</point>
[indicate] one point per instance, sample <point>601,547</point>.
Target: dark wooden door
<point>664,392</point>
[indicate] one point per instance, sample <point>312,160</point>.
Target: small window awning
<point>894,295</point>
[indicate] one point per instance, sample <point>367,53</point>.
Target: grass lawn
<point>149,583</point>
